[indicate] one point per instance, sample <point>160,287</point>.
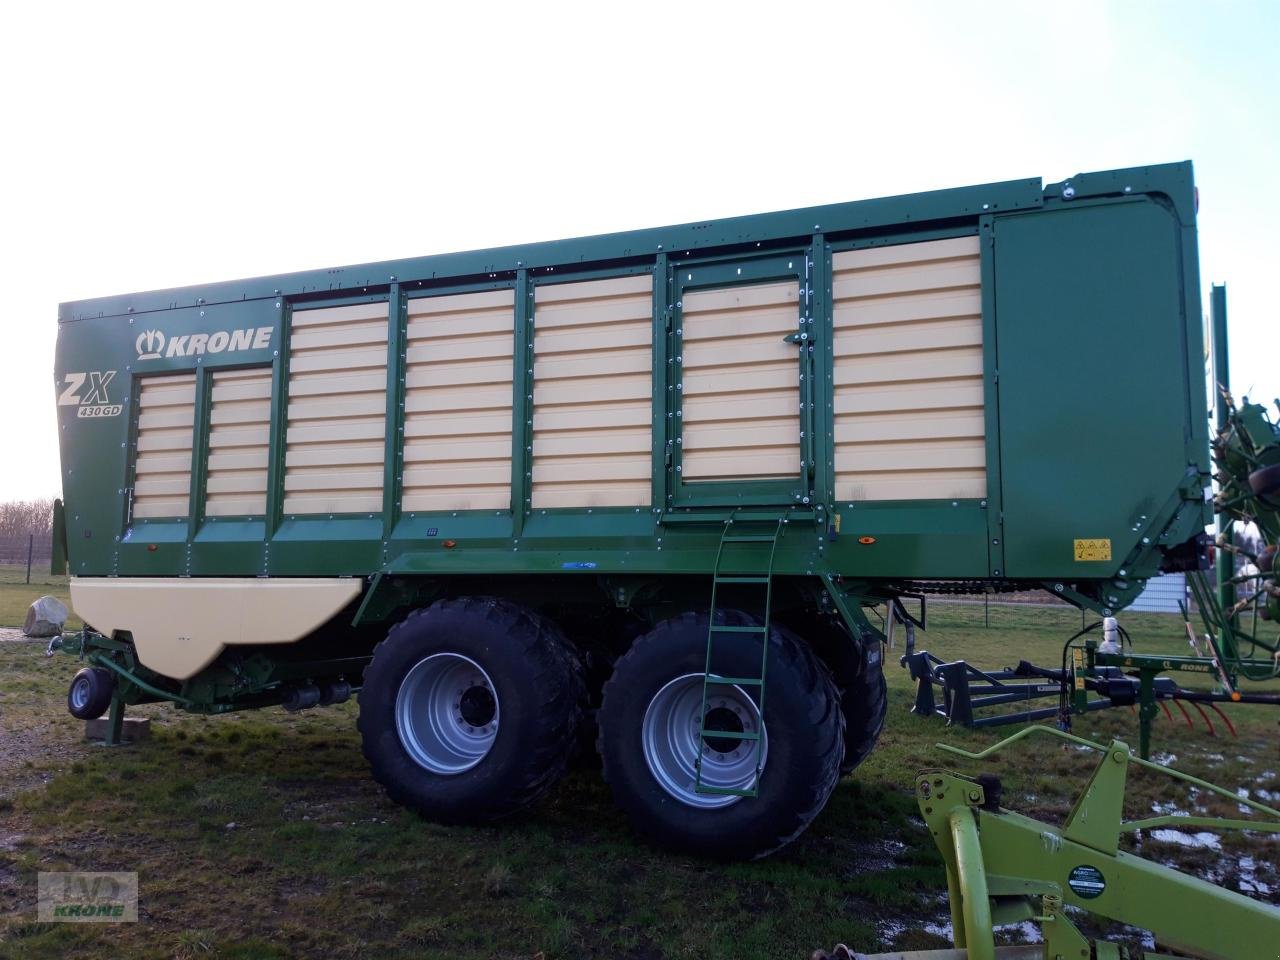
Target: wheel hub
<point>80,693</point>
<point>676,751</point>
<point>447,713</point>
<point>477,707</point>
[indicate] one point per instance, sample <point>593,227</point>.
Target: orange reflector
<point>866,539</point>
<point>450,544</point>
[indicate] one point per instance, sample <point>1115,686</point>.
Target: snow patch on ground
<point>1248,878</point>
<point>1201,839</point>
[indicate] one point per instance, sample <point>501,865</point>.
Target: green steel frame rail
<point>258,682</point>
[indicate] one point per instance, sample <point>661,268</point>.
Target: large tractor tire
<point>864,703</point>
<point>649,738</point>
<point>470,708</point>
<point>858,670</point>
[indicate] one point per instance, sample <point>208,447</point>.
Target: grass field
<point>261,835</point>
<point>16,594</point>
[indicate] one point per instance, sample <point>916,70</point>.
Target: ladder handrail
<point>707,675</point>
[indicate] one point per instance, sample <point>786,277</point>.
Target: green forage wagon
<point>660,494</point>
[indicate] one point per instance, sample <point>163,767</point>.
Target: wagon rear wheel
<point>651,741</point>
<point>470,708</point>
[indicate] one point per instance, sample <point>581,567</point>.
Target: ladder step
<point>742,579</point>
<point>735,681</point>
<point>754,538</point>
<point>728,735</point>
<point>716,628</point>
<point>726,791</point>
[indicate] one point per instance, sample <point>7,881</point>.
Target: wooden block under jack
<point>135,728</point>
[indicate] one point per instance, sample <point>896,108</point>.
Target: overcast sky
<point>159,145</point>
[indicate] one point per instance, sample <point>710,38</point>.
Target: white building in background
<point>1163,594</point>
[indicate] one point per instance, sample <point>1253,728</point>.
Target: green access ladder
<point>744,559</point>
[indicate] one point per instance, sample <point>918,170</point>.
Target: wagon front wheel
<point>470,708</point>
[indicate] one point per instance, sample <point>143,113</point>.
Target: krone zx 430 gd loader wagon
<point>659,494</point>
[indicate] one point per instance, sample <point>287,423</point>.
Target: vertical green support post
<point>115,722</point>
<point>660,482</point>
<point>393,451</point>
<point>199,455</point>
<point>992,503</point>
<point>814,365</point>
<point>279,426</point>
<point>1225,565</point>
<point>522,406</point>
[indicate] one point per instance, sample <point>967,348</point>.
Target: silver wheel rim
<point>80,693</point>
<point>672,747</point>
<point>447,713</point>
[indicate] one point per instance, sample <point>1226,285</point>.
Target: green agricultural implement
<point>1004,868</point>
<point>633,489</point>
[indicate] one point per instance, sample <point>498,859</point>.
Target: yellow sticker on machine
<point>1092,550</point>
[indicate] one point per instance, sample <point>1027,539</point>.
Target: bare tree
<point>18,518</point>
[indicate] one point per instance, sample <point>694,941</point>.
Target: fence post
<point>31,543</point>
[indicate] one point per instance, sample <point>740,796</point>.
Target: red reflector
<point>866,539</point>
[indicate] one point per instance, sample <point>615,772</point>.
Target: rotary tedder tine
<point>1225,719</point>
<point>1204,716</point>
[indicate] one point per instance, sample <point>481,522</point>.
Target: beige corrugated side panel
<point>239,443</point>
<point>909,422</point>
<point>741,405</point>
<point>162,468</point>
<point>458,393</point>
<point>337,410</point>
<point>593,393</point>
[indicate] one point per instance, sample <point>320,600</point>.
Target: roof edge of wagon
<point>1172,179</point>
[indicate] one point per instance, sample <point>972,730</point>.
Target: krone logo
<point>152,344</point>
<point>149,344</point>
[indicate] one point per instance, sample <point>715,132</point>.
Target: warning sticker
<point>1089,550</point>
<point>1086,882</point>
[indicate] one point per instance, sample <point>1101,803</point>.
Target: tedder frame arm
<point>1003,867</point>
